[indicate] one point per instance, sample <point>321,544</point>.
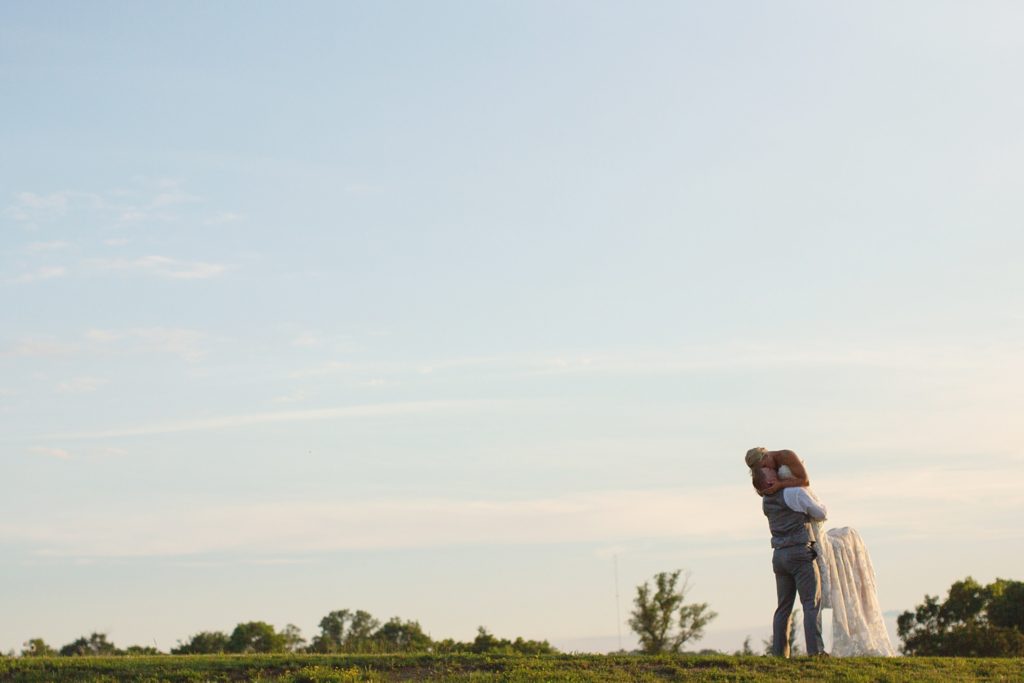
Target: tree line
<point>341,631</point>
<point>973,621</point>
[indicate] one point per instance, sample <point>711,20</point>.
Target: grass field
<point>316,669</point>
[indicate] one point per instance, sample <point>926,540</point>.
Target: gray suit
<point>795,572</point>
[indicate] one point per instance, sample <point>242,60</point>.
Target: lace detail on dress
<point>858,629</point>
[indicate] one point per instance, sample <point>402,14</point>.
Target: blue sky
<point>440,310</point>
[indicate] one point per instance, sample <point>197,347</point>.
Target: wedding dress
<point>848,588</point>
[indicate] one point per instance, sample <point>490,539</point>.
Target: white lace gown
<point>848,588</point>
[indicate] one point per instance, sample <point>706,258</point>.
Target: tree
<point>203,643</point>
<point>1005,608</point>
<point>345,631</point>
<point>293,640</point>
<point>661,619</point>
<point>401,636</point>
<point>485,642</point>
<point>746,650</point>
<point>360,632</point>
<point>973,621</point>
<point>37,647</point>
<point>95,644</point>
<point>255,636</point>
<point>140,650</point>
<point>332,632</point>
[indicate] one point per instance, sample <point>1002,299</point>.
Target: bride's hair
<point>755,456</point>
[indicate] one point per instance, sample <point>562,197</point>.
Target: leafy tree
<point>361,628</point>
<point>345,631</point>
<point>95,644</point>
<point>533,647</point>
<point>401,636</point>
<point>746,650</point>
<point>140,650</point>
<point>293,640</point>
<point>37,647</point>
<point>332,632</point>
<point>1005,608</point>
<point>255,636</point>
<point>203,643</point>
<point>487,643</point>
<point>973,621</point>
<point>661,619</point>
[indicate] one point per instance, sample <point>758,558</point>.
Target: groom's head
<point>763,477</point>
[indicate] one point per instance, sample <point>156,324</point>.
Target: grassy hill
<point>479,668</point>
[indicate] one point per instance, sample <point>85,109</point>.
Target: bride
<point>847,584</point>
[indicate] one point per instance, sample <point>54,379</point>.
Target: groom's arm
<point>802,500</point>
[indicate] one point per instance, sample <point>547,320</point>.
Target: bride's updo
<point>755,456</point>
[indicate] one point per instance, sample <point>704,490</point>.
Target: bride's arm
<point>796,466</point>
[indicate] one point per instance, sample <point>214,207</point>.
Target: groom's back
<point>788,526</point>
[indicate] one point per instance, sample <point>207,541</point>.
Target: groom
<point>789,511</point>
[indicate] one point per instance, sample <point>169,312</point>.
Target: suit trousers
<point>797,572</point>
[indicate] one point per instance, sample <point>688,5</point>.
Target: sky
<point>467,312</point>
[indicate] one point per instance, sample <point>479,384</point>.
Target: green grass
<point>480,668</point>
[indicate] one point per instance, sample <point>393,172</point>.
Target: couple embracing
<point>826,570</point>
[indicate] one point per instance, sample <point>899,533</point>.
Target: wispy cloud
<point>611,518</point>
<point>223,218</point>
<point>38,347</point>
<point>41,273</point>
<point>171,193</point>
<point>58,453</point>
<point>306,340</point>
<point>53,245</point>
<point>162,266</point>
<point>182,342</point>
<point>80,385</point>
<point>727,357</point>
<point>292,397</point>
<point>30,207</point>
<point>245,420</point>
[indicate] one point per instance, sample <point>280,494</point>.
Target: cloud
<point>293,397</point>
<point>58,453</point>
<point>223,218</point>
<point>33,347</point>
<point>182,342</point>
<point>163,266</point>
<point>304,527</point>
<point>171,194</point>
<point>41,273</point>
<point>611,518</point>
<point>81,385</point>
<point>306,340</point>
<point>47,246</point>
<point>334,413</point>
<point>30,207</point>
